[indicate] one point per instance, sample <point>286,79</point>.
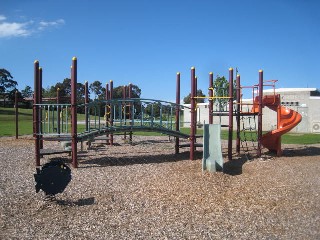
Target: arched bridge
<point>110,116</point>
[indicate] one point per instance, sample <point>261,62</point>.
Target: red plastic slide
<point>287,120</point>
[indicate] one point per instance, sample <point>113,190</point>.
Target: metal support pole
<point>210,98</point>
<point>124,95</point>
<point>107,111</point>
<point>238,102</point>
<point>58,112</point>
<point>40,108</point>
<point>86,108</point>
<point>177,112</point>
<point>260,113</point>
<point>107,92</point>
<point>111,111</point>
<point>193,112</point>
<point>230,114</point>
<point>130,112</point>
<point>196,108</point>
<point>36,117</point>
<point>16,113</point>
<point>74,112</point>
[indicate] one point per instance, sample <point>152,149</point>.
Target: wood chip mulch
<point>144,191</point>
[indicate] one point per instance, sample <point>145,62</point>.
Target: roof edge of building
<point>290,90</point>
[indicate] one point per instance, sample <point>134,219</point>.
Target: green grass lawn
<point>295,138</point>
<point>7,121</point>
<point>7,128</point>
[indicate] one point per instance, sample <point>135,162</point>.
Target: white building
<point>306,101</point>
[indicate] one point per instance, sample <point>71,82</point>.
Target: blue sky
<point>147,42</point>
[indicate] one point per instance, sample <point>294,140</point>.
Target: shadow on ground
<point>80,202</point>
<point>301,151</point>
<point>137,159</point>
<point>234,167</point>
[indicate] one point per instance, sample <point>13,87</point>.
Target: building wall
<point>202,115</point>
<point>300,100</point>
<point>314,115</point>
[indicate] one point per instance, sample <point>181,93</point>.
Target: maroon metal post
<point>124,96</point>
<point>86,108</point>
<point>58,111</point>
<point>36,123</point>
<point>210,98</point>
<point>74,112</point>
<point>16,113</point>
<point>40,85</point>
<point>107,111</point>
<point>124,108</point>
<point>238,102</point>
<point>230,114</point>
<point>123,92</point>
<point>196,108</point>
<point>107,92</point>
<point>260,97</point>
<point>130,110</point>
<point>111,110</point>
<point>40,108</point>
<point>193,112</point>
<point>130,90</point>
<point>177,112</point>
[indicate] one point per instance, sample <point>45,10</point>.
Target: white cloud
<point>14,29</point>
<point>2,18</point>
<point>44,24</point>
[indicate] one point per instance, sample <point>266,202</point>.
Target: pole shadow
<point>80,202</point>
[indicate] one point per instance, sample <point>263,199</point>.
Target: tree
<point>187,99</point>
<point>96,89</point>
<point>221,89</point>
<point>117,92</point>
<point>135,93</point>
<point>100,91</point>
<point>221,93</point>
<point>157,110</point>
<point>27,92</point>
<point>65,91</point>
<point>221,86</point>
<point>7,84</point>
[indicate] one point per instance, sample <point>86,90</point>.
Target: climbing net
<point>249,134</point>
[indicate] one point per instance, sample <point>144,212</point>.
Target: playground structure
<point>59,122</point>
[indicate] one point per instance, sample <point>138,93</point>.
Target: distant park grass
<point>7,128</point>
<point>7,121</point>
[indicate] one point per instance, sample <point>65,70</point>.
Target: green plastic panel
<point>212,153</point>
